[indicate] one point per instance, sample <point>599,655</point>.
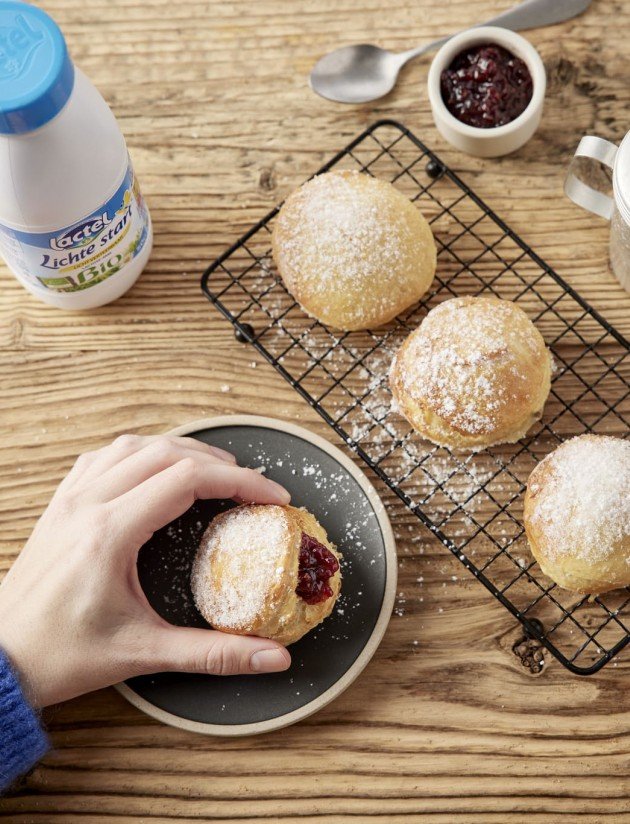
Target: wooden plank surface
<point>445,725</point>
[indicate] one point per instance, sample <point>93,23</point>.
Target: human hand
<point>73,617</point>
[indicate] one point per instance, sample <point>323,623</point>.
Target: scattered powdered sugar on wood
<point>584,504</point>
<point>249,546</point>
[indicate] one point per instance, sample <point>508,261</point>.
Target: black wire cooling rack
<point>472,503</point>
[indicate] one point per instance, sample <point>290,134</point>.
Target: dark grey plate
<point>324,662</point>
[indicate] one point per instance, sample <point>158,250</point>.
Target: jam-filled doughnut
<point>352,250</point>
<point>475,373</point>
<point>577,514</point>
<point>266,570</point>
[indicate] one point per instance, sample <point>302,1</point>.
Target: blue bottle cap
<point>36,73</point>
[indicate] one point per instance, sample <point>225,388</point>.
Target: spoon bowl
<point>356,74</point>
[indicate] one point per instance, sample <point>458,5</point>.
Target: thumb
<point>219,653</point>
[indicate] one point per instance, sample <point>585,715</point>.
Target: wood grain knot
<point>531,653</point>
<point>267,180</point>
<point>561,72</point>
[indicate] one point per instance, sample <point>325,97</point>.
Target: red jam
<point>486,86</point>
<point>317,565</point>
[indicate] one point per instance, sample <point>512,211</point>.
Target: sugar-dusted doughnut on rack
<point>266,570</point>
<point>475,373</point>
<point>352,250</point>
<point>577,514</point>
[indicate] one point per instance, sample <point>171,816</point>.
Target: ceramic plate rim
<point>387,605</point>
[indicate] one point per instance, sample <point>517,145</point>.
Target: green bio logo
<point>87,277</point>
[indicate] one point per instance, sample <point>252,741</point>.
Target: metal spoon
<point>357,74</point>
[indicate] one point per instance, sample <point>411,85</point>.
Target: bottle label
<point>84,254</point>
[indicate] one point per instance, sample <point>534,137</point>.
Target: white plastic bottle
<point>74,228</point>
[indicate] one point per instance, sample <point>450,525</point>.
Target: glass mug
<point>616,209</point>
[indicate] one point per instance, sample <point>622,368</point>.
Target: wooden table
<point>220,123</point>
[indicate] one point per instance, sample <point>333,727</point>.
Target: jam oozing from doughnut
<point>486,86</point>
<point>317,565</point>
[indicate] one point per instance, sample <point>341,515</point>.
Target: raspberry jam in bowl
<point>486,88</point>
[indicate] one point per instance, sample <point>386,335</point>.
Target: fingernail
<point>224,454</point>
<point>280,492</point>
<point>269,660</point>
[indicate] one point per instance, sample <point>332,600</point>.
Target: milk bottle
<point>74,228</point>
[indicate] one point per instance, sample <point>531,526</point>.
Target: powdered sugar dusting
<point>584,504</point>
<point>249,545</point>
<point>460,361</point>
<point>355,242</point>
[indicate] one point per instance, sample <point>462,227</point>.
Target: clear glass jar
<point>584,186</point>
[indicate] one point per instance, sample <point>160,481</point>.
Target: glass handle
<point>580,192</point>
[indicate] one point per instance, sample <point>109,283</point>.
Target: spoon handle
<point>529,14</point>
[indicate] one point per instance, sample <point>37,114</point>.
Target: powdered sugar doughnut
<point>577,514</point>
<point>266,570</point>
<point>352,250</point>
<point>475,373</point>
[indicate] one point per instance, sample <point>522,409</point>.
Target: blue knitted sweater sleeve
<point>22,739</point>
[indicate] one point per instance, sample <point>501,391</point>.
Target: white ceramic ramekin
<point>500,140</point>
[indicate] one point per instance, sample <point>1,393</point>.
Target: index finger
<point>93,465</point>
<point>163,497</point>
